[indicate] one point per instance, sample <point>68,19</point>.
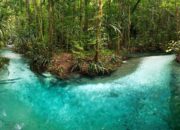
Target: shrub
<point>77,66</point>
<point>174,46</point>
<point>3,61</point>
<point>39,56</point>
<point>97,68</point>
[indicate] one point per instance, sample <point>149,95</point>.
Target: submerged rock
<point>124,62</point>
<point>4,114</point>
<point>19,126</point>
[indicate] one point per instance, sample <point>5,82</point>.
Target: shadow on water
<point>9,81</point>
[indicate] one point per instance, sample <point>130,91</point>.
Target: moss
<point>3,61</point>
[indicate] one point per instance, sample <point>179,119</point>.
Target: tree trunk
<point>41,21</point>
<point>81,13</point>
<point>51,23</point>
<point>177,20</point>
<point>36,18</point>
<point>135,6</point>
<point>129,29</point>
<point>98,31</point>
<point>86,21</point>
<point>28,15</point>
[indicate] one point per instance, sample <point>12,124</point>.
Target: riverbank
<point>65,65</point>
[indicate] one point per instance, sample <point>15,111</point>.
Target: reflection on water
<point>138,101</point>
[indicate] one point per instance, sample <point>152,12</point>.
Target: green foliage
<point>97,69</point>
<point>38,27</point>
<point>3,61</point>
<point>115,59</point>
<point>77,66</point>
<point>39,57</point>
<point>174,46</point>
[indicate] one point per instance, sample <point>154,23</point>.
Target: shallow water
<point>137,101</point>
<point>175,96</point>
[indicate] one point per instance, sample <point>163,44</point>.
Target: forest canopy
<point>39,28</point>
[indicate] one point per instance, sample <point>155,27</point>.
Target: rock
<point>19,126</point>
<point>75,76</point>
<point>10,46</point>
<point>124,62</point>
<point>4,114</point>
<point>47,74</point>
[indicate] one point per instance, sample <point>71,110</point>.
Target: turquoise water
<point>137,101</point>
<point>175,96</point>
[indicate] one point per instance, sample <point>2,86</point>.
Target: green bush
<point>3,61</point>
<point>174,46</point>
<point>77,66</point>
<point>40,56</point>
<point>97,69</point>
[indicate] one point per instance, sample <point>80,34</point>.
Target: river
<point>139,100</point>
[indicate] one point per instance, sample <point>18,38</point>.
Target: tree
<point>98,30</point>
<point>51,23</point>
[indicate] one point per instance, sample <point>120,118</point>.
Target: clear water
<point>138,101</point>
<point>175,96</point>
